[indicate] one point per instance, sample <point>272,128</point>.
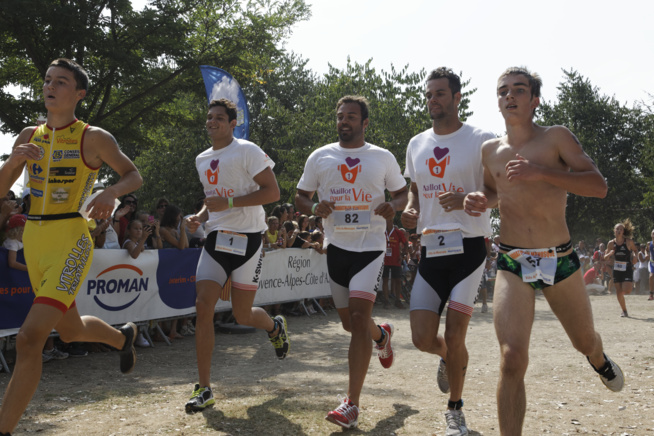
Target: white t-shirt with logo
<point>230,172</point>
<point>438,163</point>
<point>353,176</point>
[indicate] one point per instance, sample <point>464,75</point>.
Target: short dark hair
<point>534,79</point>
<point>80,74</point>
<point>361,101</point>
<point>453,79</point>
<point>229,106</point>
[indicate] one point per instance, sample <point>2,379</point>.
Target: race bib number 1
<point>231,242</point>
<point>351,217</point>
<point>537,264</point>
<point>442,242</point>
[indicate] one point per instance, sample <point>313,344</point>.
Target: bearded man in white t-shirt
<point>444,163</point>
<point>238,179</point>
<point>350,177</point>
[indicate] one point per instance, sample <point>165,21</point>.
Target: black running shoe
<point>128,353</point>
<point>280,341</point>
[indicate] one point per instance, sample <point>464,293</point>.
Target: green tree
<point>620,140</point>
<point>142,64</point>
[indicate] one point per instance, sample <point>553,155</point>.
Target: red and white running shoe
<point>346,415</point>
<point>385,353</point>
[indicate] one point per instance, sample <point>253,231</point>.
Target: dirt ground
<point>258,395</point>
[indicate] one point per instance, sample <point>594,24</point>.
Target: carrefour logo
<point>117,287</point>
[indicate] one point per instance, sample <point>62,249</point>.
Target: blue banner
<point>16,293</point>
<point>220,84</point>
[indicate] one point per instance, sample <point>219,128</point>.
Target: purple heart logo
<point>214,164</point>
<point>440,153</point>
<point>352,162</point>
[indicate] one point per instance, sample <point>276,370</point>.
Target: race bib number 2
<point>442,242</point>
<point>536,264</point>
<point>231,242</point>
<point>351,217</point>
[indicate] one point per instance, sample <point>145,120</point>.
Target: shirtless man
<point>528,173</point>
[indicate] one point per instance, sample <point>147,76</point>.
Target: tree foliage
<point>141,63</point>
<point>620,140</point>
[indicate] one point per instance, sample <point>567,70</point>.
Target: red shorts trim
<point>460,308</point>
<point>363,295</point>
<point>245,287</point>
<point>54,303</point>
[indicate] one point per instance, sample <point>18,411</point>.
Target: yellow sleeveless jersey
<point>60,181</point>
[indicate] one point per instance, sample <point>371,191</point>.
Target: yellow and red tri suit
<point>57,243</point>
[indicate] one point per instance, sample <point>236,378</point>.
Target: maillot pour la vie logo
<point>437,165</point>
<point>350,170</point>
<point>212,172</point>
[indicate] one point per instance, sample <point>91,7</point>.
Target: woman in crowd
<point>173,235</point>
<point>125,213</point>
<point>621,250</point>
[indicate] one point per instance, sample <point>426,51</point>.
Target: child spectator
<point>136,237</point>
<point>14,241</point>
<point>150,222</point>
<point>272,237</point>
<point>317,240</point>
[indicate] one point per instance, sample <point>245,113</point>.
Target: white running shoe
<point>456,423</point>
<point>443,382</point>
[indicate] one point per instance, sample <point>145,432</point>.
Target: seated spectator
<point>14,241</point>
<point>136,237</point>
<point>173,228</point>
<point>154,240</point>
<point>7,209</point>
<point>312,224</point>
<point>99,232</point>
<point>272,237</point>
<point>303,223</point>
<point>317,240</point>
<point>26,202</point>
<point>173,234</point>
<point>319,226</point>
<point>125,213</point>
<point>592,278</point>
<point>306,237</point>
<point>197,238</point>
<point>281,212</point>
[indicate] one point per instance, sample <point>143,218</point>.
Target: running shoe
<point>385,353</point>
<point>443,382</point>
<point>484,308</point>
<point>346,415</point>
<point>128,353</point>
<point>54,354</point>
<point>651,297</point>
<point>280,341</point>
<point>624,314</point>
<point>456,423</point>
<point>200,399</point>
<point>610,374</point>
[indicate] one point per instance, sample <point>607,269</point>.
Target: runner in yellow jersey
<point>62,158</point>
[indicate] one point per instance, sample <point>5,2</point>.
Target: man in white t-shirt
<point>350,178</point>
<point>444,163</point>
<point>237,178</point>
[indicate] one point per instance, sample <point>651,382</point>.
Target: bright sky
<point>610,43</point>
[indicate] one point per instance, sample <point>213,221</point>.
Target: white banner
<point>161,284</point>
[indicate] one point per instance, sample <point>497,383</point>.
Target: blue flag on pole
<point>220,84</point>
